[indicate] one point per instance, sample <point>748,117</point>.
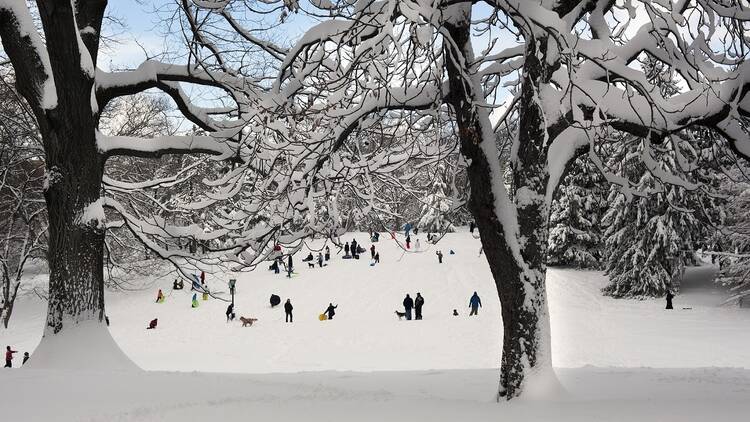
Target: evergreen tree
<point>575,234</point>
<point>437,205</point>
<point>650,238</point>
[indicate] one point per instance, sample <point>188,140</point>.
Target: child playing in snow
<point>9,357</point>
<point>160,297</point>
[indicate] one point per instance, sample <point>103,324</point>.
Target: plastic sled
<point>322,317</point>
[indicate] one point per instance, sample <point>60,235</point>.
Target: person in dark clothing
<point>328,253</point>
<point>440,256</point>
<point>331,310</point>
<point>288,310</point>
<point>275,266</point>
<point>475,303</point>
<point>408,242</point>
<point>346,249</point>
<point>408,305</point>
<point>377,257</point>
<point>418,303</point>
<point>416,230</point>
<point>25,358</point>
<point>372,251</point>
<point>670,296</point>
<point>472,226</point>
<point>230,312</point>
<point>308,258</point>
<point>152,324</point>
<point>320,260</point>
<point>9,357</point>
<point>354,249</point>
<point>275,300</point>
<point>106,319</point>
<point>455,312</point>
<point>289,267</point>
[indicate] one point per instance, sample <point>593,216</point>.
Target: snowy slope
<point>438,369</point>
<point>366,335</point>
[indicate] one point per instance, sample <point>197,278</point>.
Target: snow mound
<point>84,346</point>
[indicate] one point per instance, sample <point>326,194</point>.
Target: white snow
<point>627,359</point>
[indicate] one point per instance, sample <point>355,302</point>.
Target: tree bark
<point>75,169</point>
<point>516,258</point>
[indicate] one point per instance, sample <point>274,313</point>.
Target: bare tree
<point>22,214</point>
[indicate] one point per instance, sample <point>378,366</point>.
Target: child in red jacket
<point>9,357</point>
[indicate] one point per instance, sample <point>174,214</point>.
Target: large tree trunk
<point>513,235</point>
<point>74,175</point>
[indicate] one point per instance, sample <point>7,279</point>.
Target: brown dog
<point>247,321</point>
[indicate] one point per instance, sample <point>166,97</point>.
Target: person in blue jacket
<point>475,303</point>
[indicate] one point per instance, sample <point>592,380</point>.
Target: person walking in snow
<point>320,260</point>
<point>346,249</point>
<point>418,303</point>
<point>331,310</point>
<point>372,251</point>
<point>408,242</point>
<point>289,267</point>
<point>377,257</point>
<point>203,278</point>
<point>9,357</point>
<point>230,312</point>
<point>417,245</point>
<point>407,229</point>
<point>25,358</point>
<point>475,303</point>
<point>472,226</point>
<point>159,297</point>
<point>408,305</point>
<point>355,249</point>
<point>288,310</point>
<point>670,296</point>
<point>440,256</point>
<point>328,254</point>
<point>195,300</point>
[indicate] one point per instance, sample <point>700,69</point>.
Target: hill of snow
<point>440,368</point>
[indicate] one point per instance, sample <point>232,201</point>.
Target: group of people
<point>417,303</point>
<point>9,357</point>
<point>322,259</point>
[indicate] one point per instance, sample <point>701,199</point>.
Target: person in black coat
<point>289,267</point>
<point>670,296</point>
<point>372,252</point>
<point>275,300</point>
<point>355,249</point>
<point>418,303</point>
<point>328,253</point>
<point>408,305</point>
<point>331,310</point>
<point>288,310</point>
<point>472,226</point>
<point>346,249</point>
<point>230,312</point>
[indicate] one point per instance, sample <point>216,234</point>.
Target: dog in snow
<point>247,322</point>
<point>400,315</point>
<point>310,265</point>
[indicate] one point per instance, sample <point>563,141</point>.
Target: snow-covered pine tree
<point>734,236</point>
<point>575,233</point>
<point>651,238</point>
<point>437,204</point>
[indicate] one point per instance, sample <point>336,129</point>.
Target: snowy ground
<point>453,356</point>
